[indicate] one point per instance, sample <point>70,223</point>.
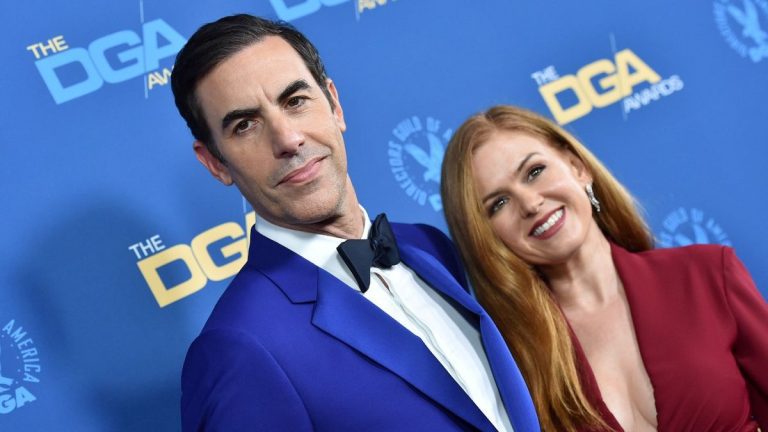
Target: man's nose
<point>286,136</point>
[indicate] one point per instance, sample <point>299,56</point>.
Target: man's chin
<point>311,215</point>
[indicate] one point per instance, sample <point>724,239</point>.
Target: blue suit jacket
<point>289,347</point>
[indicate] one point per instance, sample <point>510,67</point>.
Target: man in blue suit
<point>305,337</point>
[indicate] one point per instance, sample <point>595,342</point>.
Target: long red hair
<point>511,290</point>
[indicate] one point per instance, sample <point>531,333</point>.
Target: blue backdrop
<point>117,242</point>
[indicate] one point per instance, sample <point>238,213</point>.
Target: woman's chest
<point>672,368</point>
<point>607,338</point>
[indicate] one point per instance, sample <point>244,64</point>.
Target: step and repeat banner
<point>117,243</point>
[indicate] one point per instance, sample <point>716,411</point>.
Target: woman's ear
<point>579,169</point>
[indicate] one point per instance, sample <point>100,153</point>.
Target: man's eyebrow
<point>292,88</point>
<point>237,115</point>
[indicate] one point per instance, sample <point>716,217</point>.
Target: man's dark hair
<point>215,42</point>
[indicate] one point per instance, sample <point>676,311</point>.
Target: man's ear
<point>338,112</point>
<point>216,167</point>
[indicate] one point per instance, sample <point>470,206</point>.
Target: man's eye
<point>296,101</point>
<point>535,171</point>
<point>498,204</point>
<point>243,126</point>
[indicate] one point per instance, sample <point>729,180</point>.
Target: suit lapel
<point>512,387</point>
<point>346,315</point>
<point>294,275</point>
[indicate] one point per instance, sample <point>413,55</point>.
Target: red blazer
<point>702,328</point>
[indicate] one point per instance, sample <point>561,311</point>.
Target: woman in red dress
<point>609,333</point>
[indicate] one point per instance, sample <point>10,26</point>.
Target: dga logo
<point>603,83</point>
<point>367,5</point>
<point>300,9</point>
<point>70,73</point>
<point>175,272</point>
<point>739,23</point>
<point>685,227</point>
<point>19,368</point>
<point>415,157</point>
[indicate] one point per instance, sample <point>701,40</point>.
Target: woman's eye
<point>535,171</point>
<point>498,204</point>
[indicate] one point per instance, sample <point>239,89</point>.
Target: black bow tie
<point>380,250</point>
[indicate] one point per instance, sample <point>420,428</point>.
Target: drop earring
<point>592,198</point>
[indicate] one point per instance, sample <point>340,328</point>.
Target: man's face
<point>280,140</point>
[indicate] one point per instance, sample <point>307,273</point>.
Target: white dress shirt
<point>405,297</point>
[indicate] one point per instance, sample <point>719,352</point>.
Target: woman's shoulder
<point>693,254</point>
<point>693,262</point>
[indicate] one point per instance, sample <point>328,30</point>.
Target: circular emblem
<point>416,156</point>
<point>19,368</point>
<point>739,23</point>
<point>685,227</point>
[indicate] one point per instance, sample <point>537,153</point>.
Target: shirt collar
<point>319,249</point>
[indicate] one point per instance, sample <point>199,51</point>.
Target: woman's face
<point>534,196</point>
